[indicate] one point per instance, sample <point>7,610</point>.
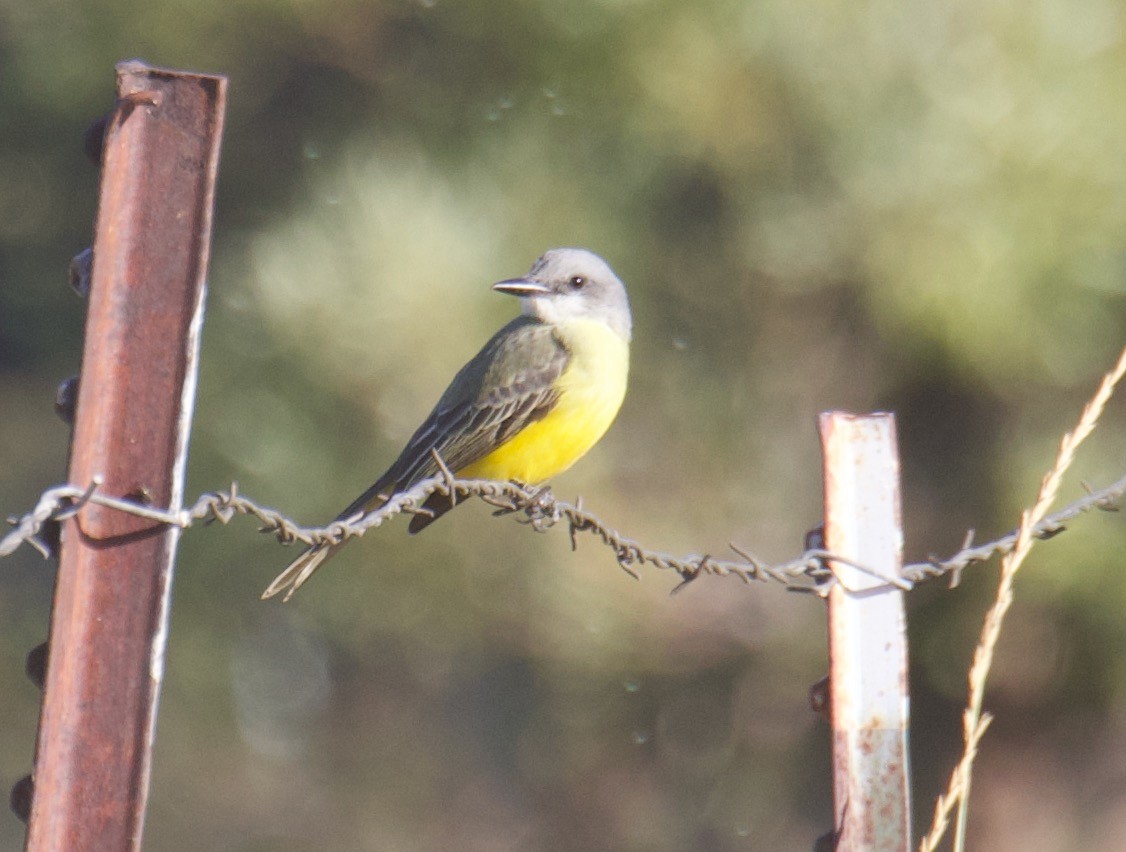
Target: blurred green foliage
<point>906,206</point>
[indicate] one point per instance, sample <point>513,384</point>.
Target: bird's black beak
<point>522,287</point>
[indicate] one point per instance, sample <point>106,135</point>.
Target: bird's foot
<point>540,508</point>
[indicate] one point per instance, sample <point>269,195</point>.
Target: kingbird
<point>541,392</point>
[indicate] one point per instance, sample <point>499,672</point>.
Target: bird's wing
<point>508,384</point>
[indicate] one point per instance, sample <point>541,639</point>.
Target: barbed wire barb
<point>447,475</point>
<point>756,564</point>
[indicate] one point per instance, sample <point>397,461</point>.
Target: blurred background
<point>906,206</point>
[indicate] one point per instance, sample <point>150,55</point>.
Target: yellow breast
<point>591,392</point>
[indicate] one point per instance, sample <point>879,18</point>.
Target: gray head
<point>572,283</point>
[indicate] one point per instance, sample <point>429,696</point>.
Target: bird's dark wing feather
<point>508,384</point>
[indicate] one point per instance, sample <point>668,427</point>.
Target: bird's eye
<point>577,282</point>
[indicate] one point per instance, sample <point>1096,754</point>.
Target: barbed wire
<point>1106,499</point>
<point>812,571</point>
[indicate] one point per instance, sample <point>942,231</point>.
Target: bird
<point>541,392</point>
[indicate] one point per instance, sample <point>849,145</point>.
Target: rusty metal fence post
<point>110,616</point>
<point>867,634</point>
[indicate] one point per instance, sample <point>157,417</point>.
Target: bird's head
<point>572,283</point>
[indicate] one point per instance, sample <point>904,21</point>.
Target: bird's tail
<point>305,565</point>
<point>300,570</point>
